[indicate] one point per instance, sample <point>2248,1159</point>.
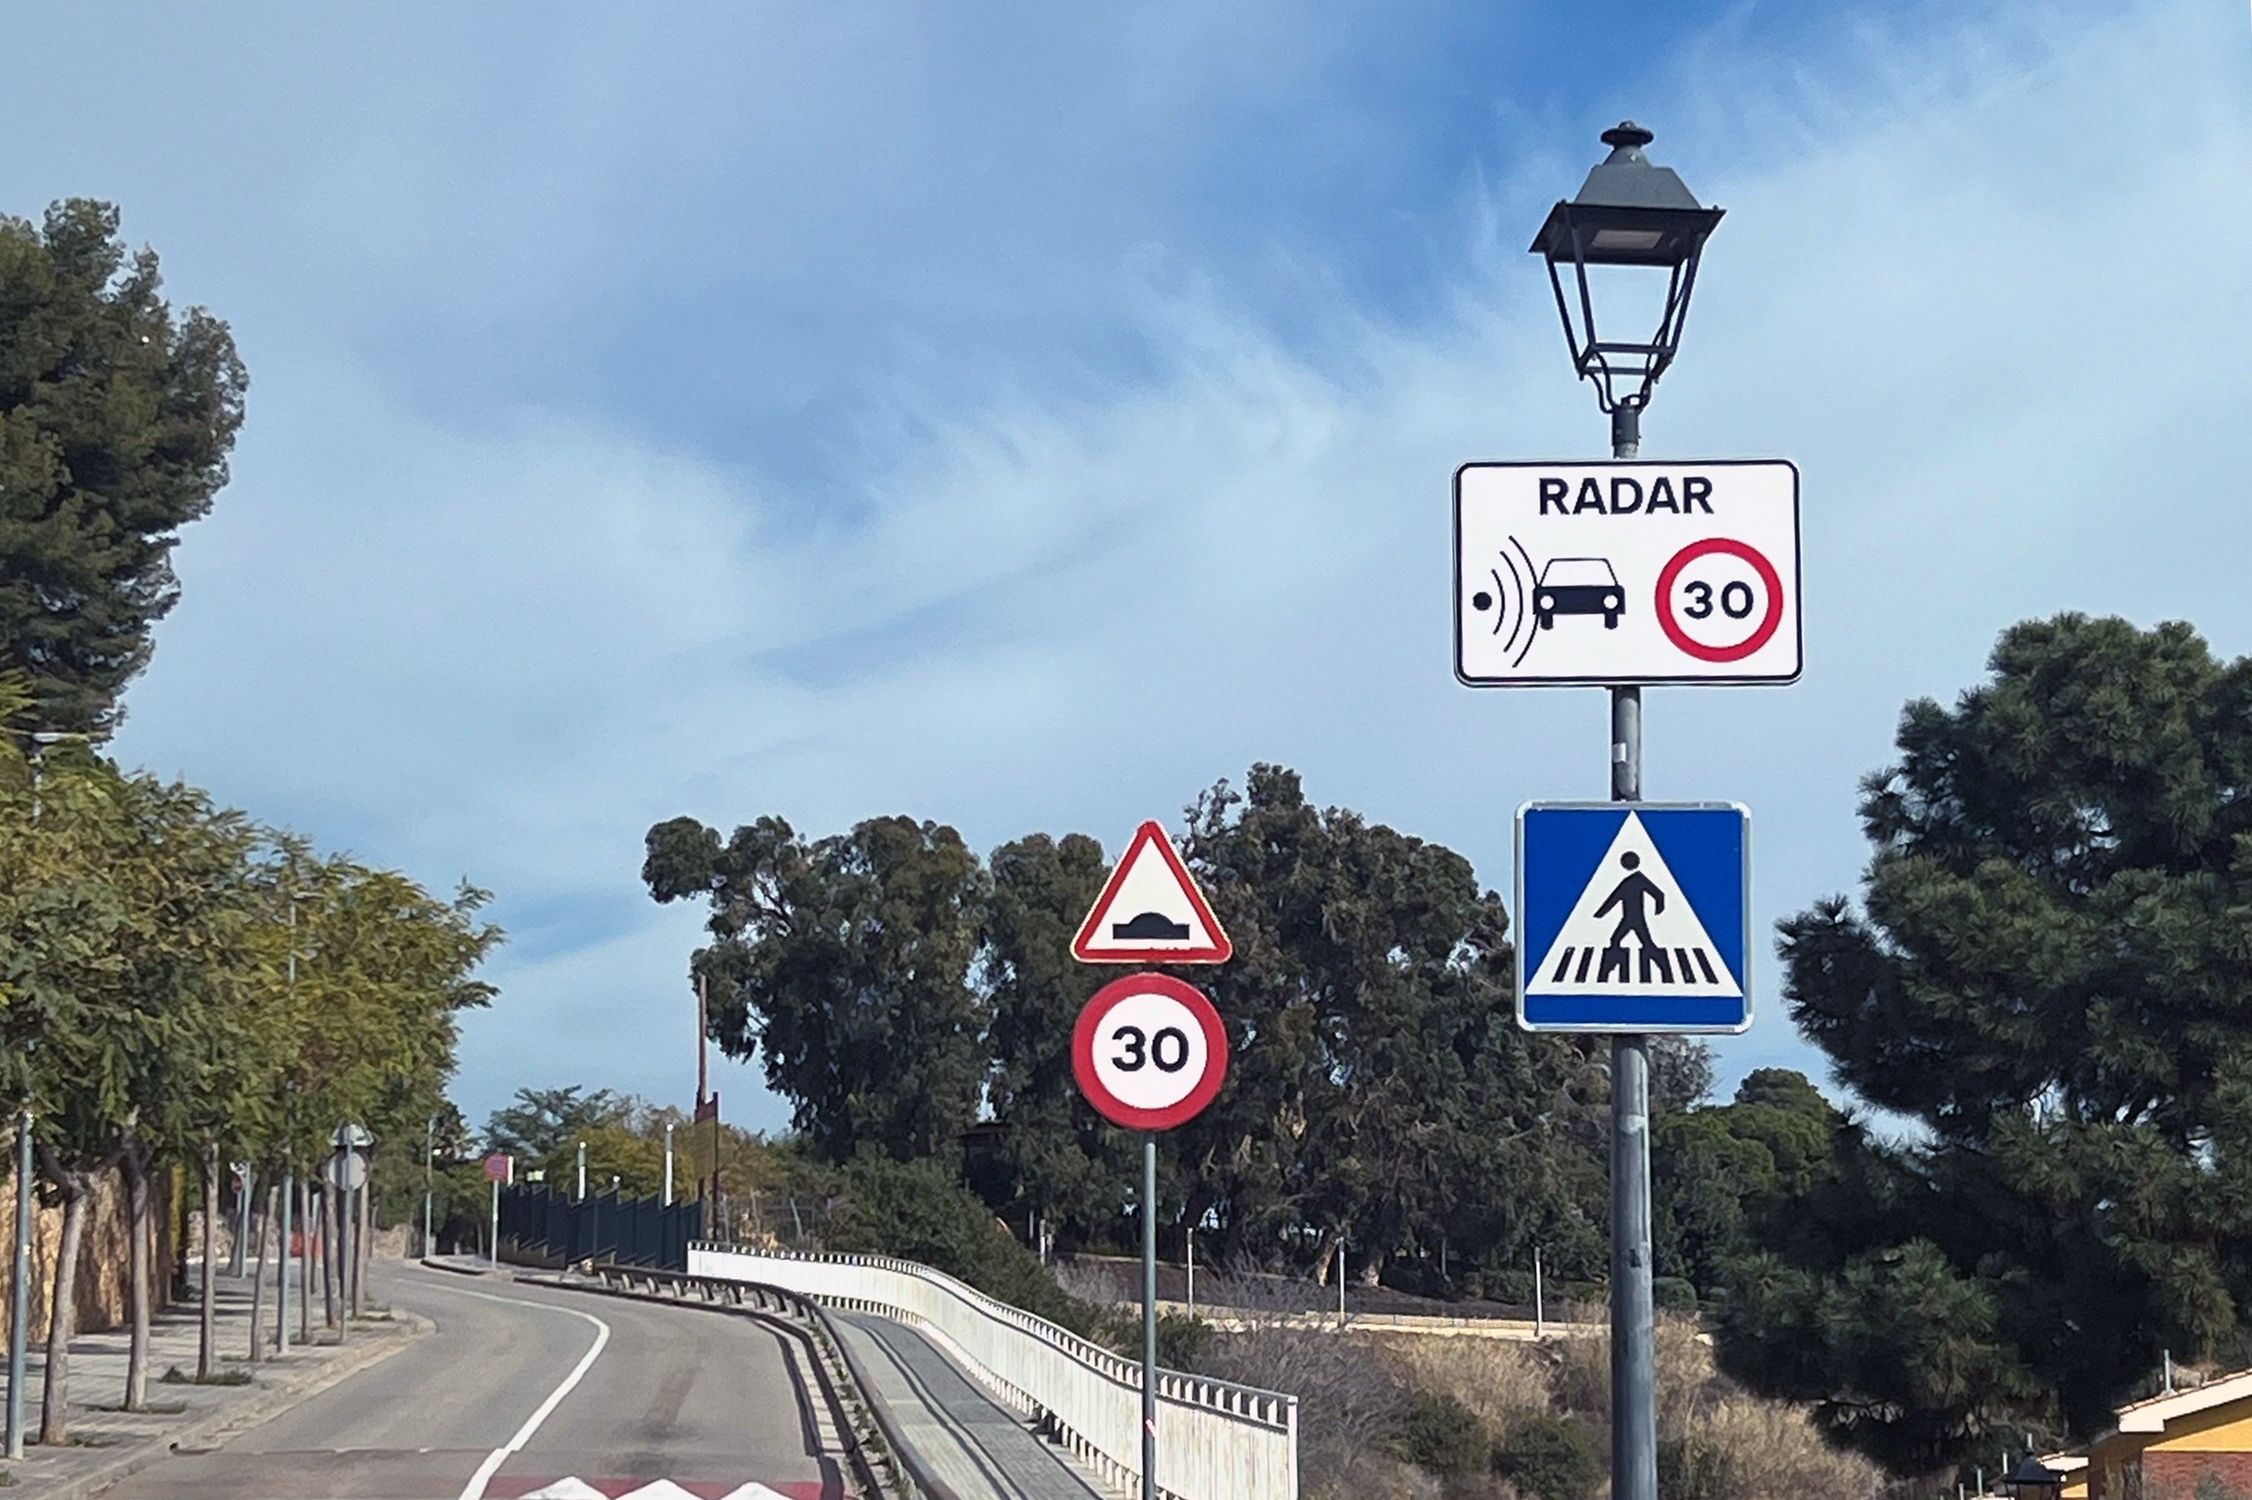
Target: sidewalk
<point>107,1444</point>
<point>971,1441</point>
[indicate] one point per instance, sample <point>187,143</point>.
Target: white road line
<point>475,1489</point>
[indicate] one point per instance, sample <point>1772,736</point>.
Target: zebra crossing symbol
<point>1633,917</point>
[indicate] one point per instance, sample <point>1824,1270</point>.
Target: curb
<point>495,1273</point>
<point>228,1421</point>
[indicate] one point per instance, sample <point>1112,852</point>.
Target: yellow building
<point>2074,1468</point>
<point>2163,1447</point>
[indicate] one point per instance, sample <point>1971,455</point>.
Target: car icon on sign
<point>1578,586</point>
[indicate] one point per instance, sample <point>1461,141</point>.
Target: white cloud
<point>1992,308</point>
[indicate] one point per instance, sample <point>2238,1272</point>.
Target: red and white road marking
<point>572,1487</point>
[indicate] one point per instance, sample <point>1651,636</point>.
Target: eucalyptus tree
<point>1382,1094</point>
<point>1058,1161</point>
<point>846,966</point>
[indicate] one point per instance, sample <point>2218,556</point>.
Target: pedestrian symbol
<point>1632,918</point>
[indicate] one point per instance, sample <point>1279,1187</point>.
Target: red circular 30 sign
<point>1149,1052</point>
<point>1728,616</point>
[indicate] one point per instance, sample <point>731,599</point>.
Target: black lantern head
<point>2033,1480</point>
<point>1628,213</point>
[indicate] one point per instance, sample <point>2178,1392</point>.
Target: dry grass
<point>1770,1451</point>
<point>1498,1381</point>
<point>1774,1453</point>
<point>1685,1373</point>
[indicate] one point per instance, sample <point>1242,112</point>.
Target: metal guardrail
<point>757,1297</point>
<point>1216,1440</point>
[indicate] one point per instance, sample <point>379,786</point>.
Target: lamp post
<point>2033,1480</point>
<point>1630,215</point>
<point>288,1182</point>
<point>19,1294</point>
<point>429,1155</point>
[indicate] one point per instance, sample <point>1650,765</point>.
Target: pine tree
<point>116,419</point>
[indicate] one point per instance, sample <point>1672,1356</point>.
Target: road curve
<point>487,1408</point>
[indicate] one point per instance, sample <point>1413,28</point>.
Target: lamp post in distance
<point>1629,216</point>
<point>19,1275</point>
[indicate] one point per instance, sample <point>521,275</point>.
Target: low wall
<point>1215,1441</point>
<point>101,1263</point>
<point>1240,1320</point>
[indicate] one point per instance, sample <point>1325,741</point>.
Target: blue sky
<point>817,410</point>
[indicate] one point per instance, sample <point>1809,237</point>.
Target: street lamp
<point>1629,213</point>
<point>1630,216</point>
<point>19,1304</point>
<point>2033,1480</point>
<point>429,1159</point>
<point>289,1177</point>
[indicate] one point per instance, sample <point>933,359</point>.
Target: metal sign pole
<point>281,1266</point>
<point>1634,1405</point>
<point>1149,1315</point>
<point>494,1257</point>
<point>20,1295</point>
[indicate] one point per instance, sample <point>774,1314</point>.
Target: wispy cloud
<point>1981,276</point>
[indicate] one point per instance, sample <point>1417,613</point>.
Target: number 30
<point>1735,599</point>
<point>1142,1050</point>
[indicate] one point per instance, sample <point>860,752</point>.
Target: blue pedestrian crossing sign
<point>1634,916</point>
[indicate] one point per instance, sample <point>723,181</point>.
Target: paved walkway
<point>973,1442</point>
<point>107,1444</point>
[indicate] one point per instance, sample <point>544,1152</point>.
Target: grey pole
<point>341,1252</point>
<point>19,1302</point>
<point>668,1164</point>
<point>1149,1315</point>
<point>246,1177</point>
<point>1634,1404</point>
<point>429,1151</point>
<point>19,1296</point>
<point>582,1174</point>
<point>1341,1278</point>
<point>1540,1310</point>
<point>493,1257</point>
<point>1192,1270</point>
<point>281,1266</point>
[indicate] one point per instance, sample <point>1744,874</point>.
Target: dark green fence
<point>547,1227</point>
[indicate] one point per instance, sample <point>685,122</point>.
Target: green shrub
<point>1511,1286</point>
<point>1673,1294</point>
<point>1550,1458</point>
<point>1436,1432</point>
<point>917,1211</point>
<point>1182,1342</point>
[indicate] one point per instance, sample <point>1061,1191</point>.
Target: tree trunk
<point>133,1166</point>
<point>54,1402</point>
<point>1325,1257</point>
<point>311,1237</point>
<point>207,1312</point>
<point>258,1277</point>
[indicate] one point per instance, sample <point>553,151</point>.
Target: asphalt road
<point>520,1388</point>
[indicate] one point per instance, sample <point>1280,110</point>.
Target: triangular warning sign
<point>1632,932</point>
<point>1151,912</point>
